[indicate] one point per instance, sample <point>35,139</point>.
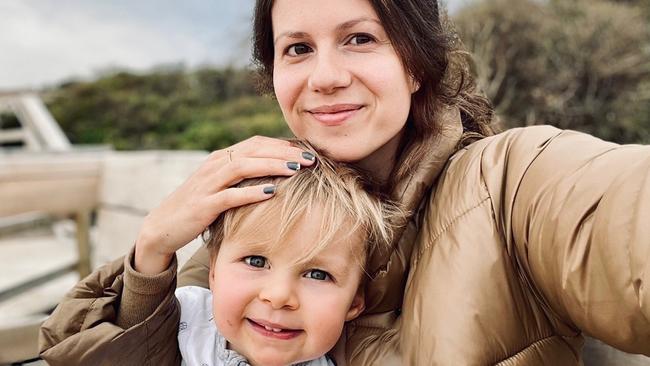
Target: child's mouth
<point>272,332</point>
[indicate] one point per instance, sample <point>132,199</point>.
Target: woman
<point>517,243</point>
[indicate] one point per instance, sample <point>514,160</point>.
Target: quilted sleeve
<point>84,330</point>
<point>576,213</point>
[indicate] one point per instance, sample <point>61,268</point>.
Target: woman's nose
<point>279,294</point>
<point>329,73</point>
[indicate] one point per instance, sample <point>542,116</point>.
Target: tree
<point>576,64</point>
<point>166,109</point>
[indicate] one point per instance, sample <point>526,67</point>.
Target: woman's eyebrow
<point>341,27</point>
<point>290,34</point>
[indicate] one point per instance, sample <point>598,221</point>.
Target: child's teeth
<point>276,330</point>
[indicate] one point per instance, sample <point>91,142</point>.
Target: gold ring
<point>229,155</point>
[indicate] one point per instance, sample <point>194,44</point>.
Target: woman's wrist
<point>148,259</point>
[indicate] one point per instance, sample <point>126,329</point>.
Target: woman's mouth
<point>273,330</point>
<point>335,115</point>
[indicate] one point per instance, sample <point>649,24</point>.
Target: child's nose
<point>279,294</point>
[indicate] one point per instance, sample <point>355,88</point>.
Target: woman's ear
<point>414,85</point>
<point>358,305</point>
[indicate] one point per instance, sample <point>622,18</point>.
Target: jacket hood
<point>388,268</point>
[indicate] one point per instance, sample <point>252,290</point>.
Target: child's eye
<point>256,261</point>
<point>318,274</point>
<point>360,39</point>
<point>298,49</point>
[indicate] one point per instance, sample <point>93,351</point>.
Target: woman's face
<point>339,82</point>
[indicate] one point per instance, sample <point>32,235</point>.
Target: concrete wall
<point>132,184</point>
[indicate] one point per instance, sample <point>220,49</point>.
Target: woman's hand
<point>193,206</point>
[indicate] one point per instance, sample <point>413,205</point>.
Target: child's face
<point>255,291</point>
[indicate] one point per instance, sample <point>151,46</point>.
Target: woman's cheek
<point>285,85</point>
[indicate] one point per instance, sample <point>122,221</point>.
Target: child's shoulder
<point>198,339</point>
<point>192,293</point>
<point>194,301</point>
<point>323,361</point>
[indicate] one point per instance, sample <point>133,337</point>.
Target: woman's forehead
<point>299,15</point>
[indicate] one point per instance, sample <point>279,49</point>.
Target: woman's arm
<point>576,211</point>
<point>115,316</point>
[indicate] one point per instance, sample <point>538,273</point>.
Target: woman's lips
<point>335,115</point>
<point>275,333</point>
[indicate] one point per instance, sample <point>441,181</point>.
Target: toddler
<point>286,273</point>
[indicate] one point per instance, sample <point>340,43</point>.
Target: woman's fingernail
<point>269,190</point>
<point>308,156</point>
<point>293,165</point>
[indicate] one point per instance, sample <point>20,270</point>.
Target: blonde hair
<point>345,198</point>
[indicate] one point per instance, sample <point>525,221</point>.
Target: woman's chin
<point>341,151</point>
<point>372,151</point>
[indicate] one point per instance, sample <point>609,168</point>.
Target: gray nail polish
<point>308,156</point>
<point>293,165</point>
<point>269,190</point>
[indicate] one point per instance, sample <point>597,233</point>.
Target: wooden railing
<point>38,131</point>
<point>64,185</point>
<point>115,188</point>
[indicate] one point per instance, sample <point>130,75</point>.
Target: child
<point>285,274</point>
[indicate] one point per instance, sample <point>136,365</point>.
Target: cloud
<point>47,41</point>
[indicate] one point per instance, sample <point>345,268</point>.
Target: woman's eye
<point>360,39</point>
<point>255,261</point>
<point>298,49</point>
<point>318,274</point>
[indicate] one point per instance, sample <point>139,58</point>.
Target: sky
<point>46,42</point>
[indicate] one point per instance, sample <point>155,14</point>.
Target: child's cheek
<point>228,304</point>
<point>324,309</point>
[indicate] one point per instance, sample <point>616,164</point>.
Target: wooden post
<point>83,242</point>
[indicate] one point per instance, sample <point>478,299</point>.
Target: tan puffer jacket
<point>518,245</point>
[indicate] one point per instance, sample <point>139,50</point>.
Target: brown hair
<point>340,193</point>
<point>430,52</point>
